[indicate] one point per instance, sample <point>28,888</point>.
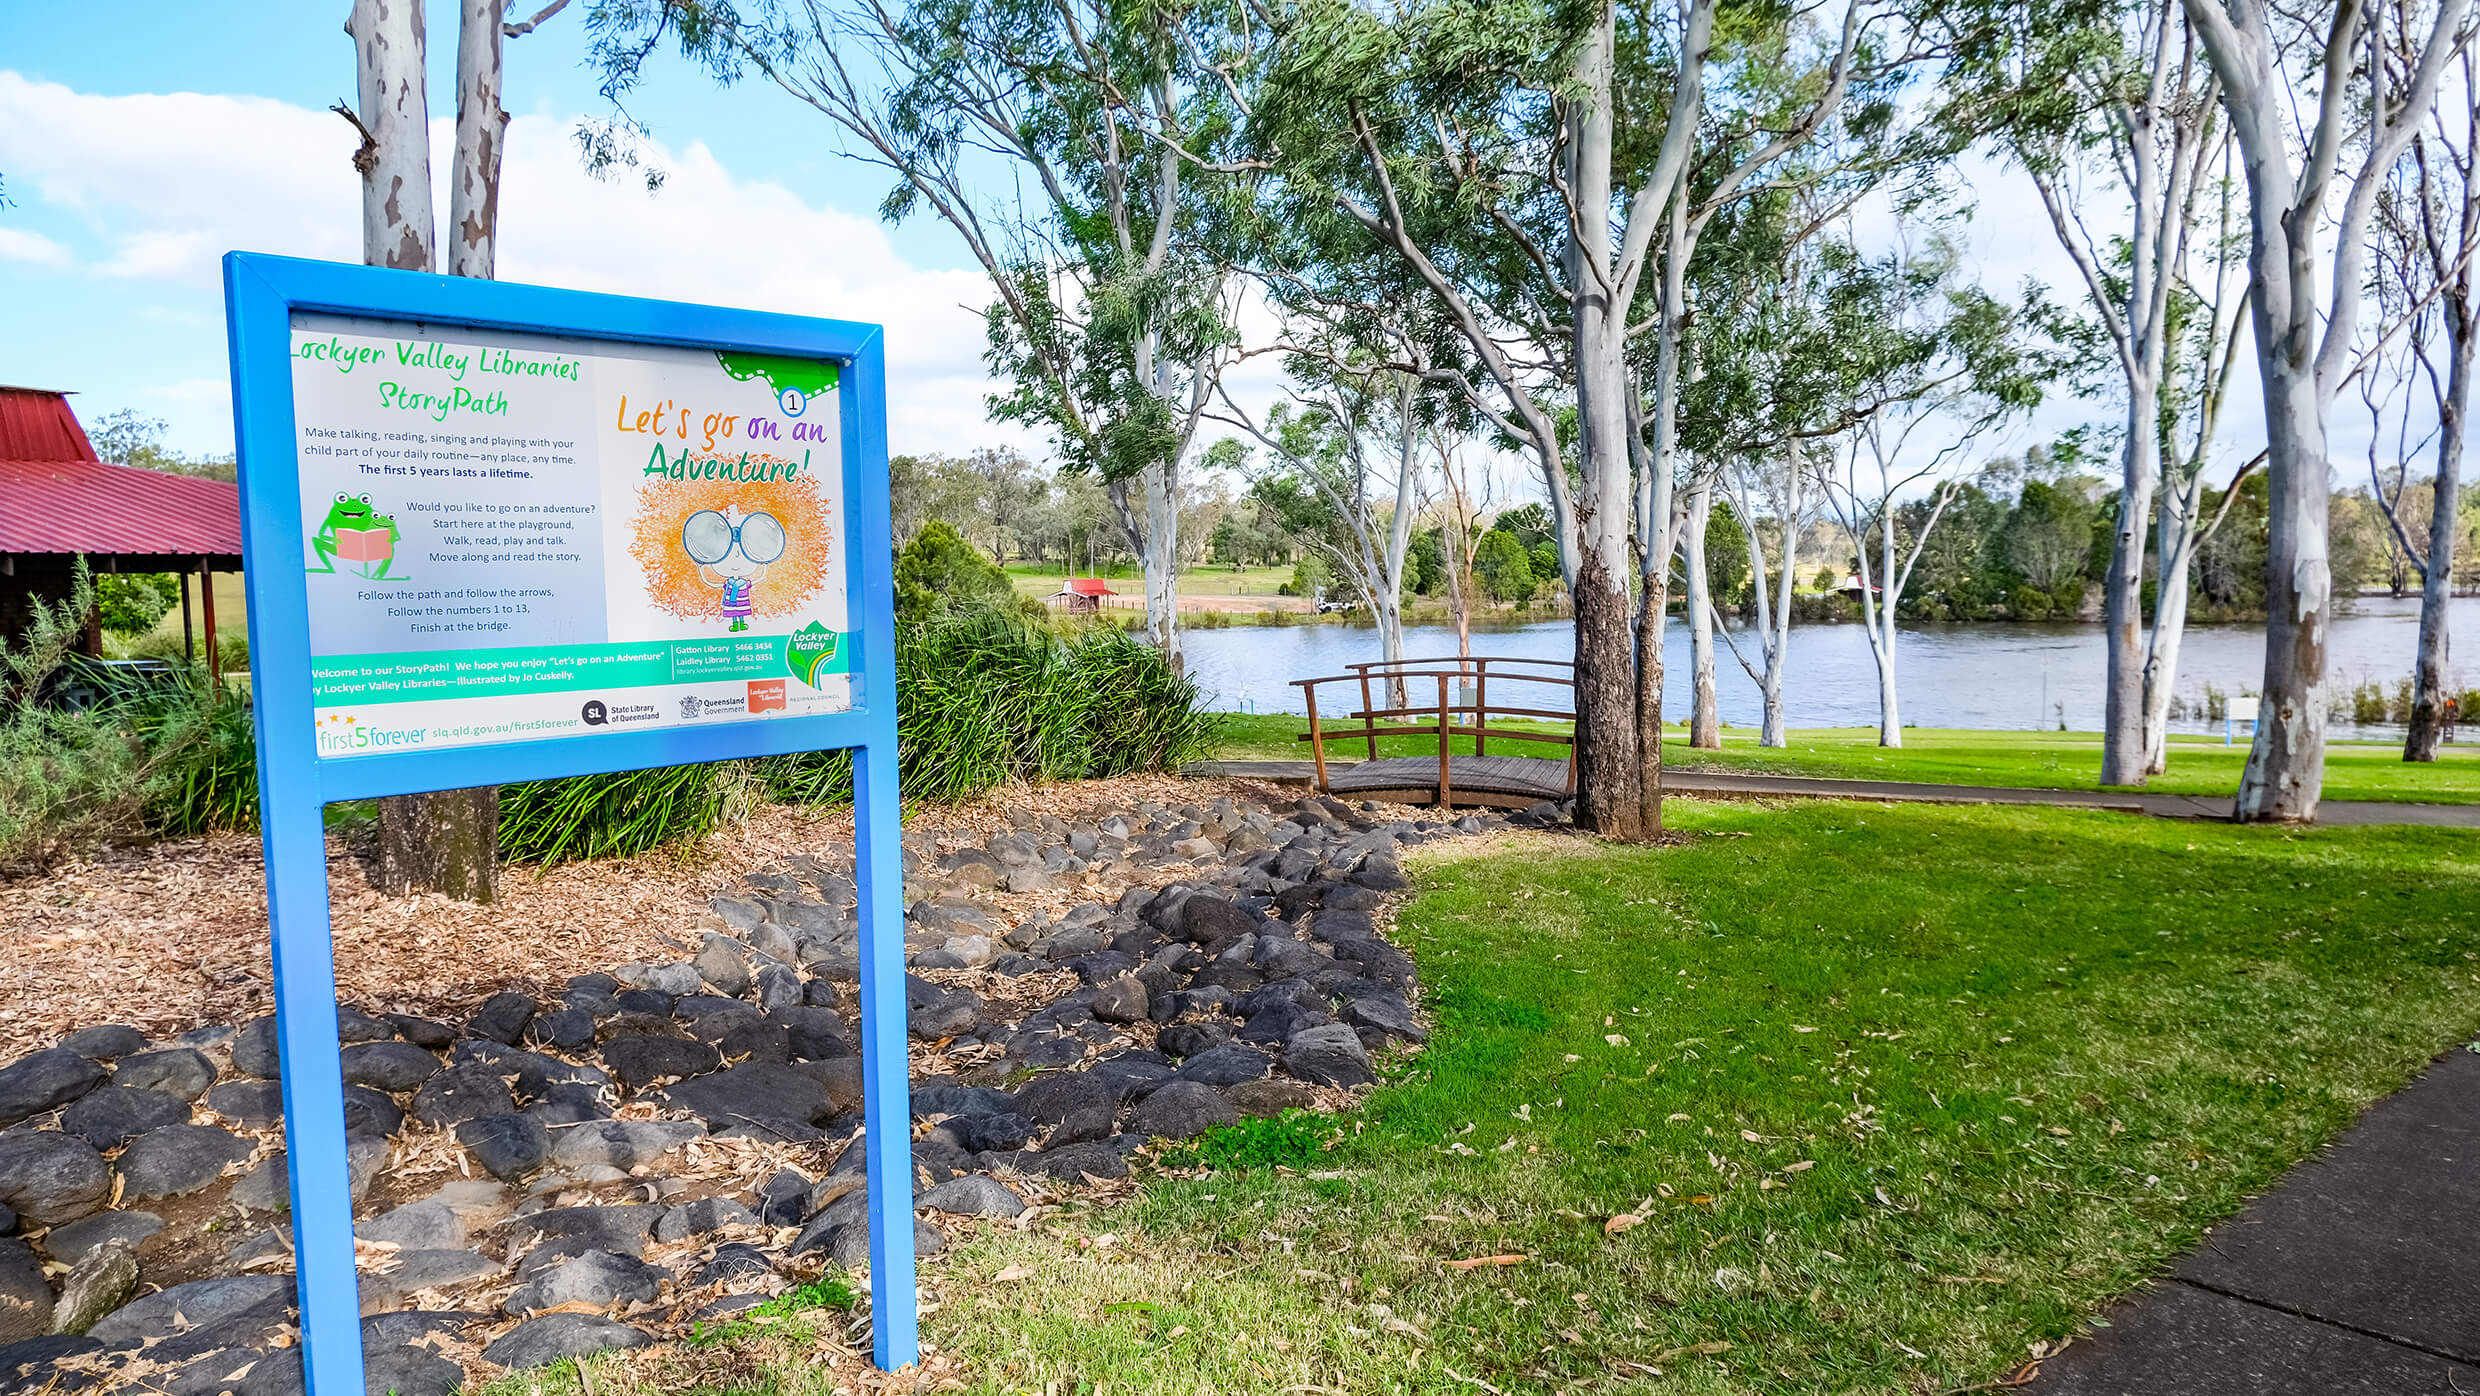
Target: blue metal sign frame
<point>262,293</point>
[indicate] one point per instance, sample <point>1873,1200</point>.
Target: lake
<point>1984,675</point>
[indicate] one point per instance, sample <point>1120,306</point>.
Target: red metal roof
<point>1088,586</point>
<point>56,497</point>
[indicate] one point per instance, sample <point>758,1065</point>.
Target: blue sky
<point>125,190</point>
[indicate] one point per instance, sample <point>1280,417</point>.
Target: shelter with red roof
<point>1079,595</point>
<point>59,501</point>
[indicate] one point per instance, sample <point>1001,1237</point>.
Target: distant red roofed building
<point>1081,596</point>
<point>59,501</point>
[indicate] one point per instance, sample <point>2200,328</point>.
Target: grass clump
<point>827,1292</point>
<point>1293,1139</point>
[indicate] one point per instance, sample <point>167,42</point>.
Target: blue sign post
<point>498,533</point>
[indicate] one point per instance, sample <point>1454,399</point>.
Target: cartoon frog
<point>351,531</point>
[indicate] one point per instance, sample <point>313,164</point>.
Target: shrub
<point>1293,1139</point>
<point>1502,568</point>
<point>130,603</point>
<point>75,776</point>
<point>2028,603</point>
<point>619,814</point>
<point>210,784</point>
<point>940,573</point>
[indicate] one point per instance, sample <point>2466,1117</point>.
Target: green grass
<point>1892,1094</point>
<point>1896,1094</point>
<point>2046,760</point>
<point>1041,579</point>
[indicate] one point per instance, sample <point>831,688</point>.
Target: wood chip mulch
<point>172,935</point>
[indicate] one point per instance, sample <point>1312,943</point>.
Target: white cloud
<point>18,245</point>
<point>166,183</point>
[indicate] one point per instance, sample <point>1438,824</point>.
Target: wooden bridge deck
<point>1513,782</point>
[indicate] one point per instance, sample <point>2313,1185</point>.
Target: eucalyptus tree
<point>2429,238</point>
<point>1070,146</point>
<point>2109,107</point>
<point>1355,441</point>
<point>2378,66</point>
<point>1934,363</point>
<point>1528,167</point>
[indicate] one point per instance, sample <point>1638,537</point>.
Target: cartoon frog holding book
<point>358,534</point>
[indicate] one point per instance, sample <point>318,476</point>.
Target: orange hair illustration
<point>680,585</point>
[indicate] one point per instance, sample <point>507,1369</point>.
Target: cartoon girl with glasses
<point>732,551</point>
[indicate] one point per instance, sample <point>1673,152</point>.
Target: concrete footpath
<point>2357,1275</point>
<point>1737,785</point>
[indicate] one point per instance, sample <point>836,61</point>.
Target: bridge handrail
<point>1475,668</point>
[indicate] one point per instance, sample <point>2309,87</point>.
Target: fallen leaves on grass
<point>1476,1262</point>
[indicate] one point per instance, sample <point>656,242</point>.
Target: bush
<point>210,784</point>
<point>1502,568</point>
<point>73,777</point>
<point>2028,603</point>
<point>619,814</point>
<point>940,573</point>
<point>130,603</point>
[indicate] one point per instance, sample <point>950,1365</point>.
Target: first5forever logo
<point>342,734</point>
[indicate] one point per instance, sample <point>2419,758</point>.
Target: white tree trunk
<point>2176,547</point>
<point>481,133</point>
<point>1160,558</point>
<point>1889,710</point>
<point>1704,717</point>
<point>395,159</point>
<point>2122,604</point>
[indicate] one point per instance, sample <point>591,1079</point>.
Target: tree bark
<point>2285,767</point>
<point>1161,558</point>
<point>1704,717</point>
<point>1651,610</point>
<point>2122,605</point>
<point>444,841</point>
<point>1607,782</point>
<point>2429,698</point>
<point>2177,550</point>
<point>395,158</point>
<point>481,133</point>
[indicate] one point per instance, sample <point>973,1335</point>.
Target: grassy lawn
<point>1751,1143</point>
<point>2032,1054</point>
<point>1041,579</point>
<point>2051,760</point>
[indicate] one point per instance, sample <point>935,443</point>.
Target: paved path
<point>1727,785</point>
<point>2358,1275</point>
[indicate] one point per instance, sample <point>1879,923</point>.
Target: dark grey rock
<point>396,1369</point>
<point>49,1178</point>
<point>702,1216</point>
<point>198,1304</point>
<point>601,1225</point>
<point>1228,1066</point>
<point>1281,1021</point>
<point>1383,1018</point>
<point>25,1296</point>
<point>460,1094</point>
<point>254,1048</point>
<point>1191,1039</point>
<point>1069,1165</point>
<point>733,1260</point>
<point>752,1092</point>
<point>1053,1096</point>
<point>353,1025</point>
<point>812,1033</point>
<point>1331,1055</point>
<point>1121,999</point>
<point>416,1226</point>
<point>176,1160</point>
<point>69,1244</point>
<point>540,1342</point>
<point>1180,1110</point>
<point>45,1080</point>
<point>107,1043</point>
<point>388,1064</point>
<point>840,1077</point>
<point>599,1278</point>
<point>182,1072</point>
<point>972,1195</point>
<point>640,1061</point>
<point>507,1146</point>
<point>114,1115</point>
<point>975,1134</point>
<point>422,1032</point>
<point>784,1199</point>
<point>33,1366</point>
<point>371,1112</point>
<point>564,1029</point>
<point>502,1017</point>
<point>252,1103</point>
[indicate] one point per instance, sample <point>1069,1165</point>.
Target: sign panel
<point>495,532</point>
<point>511,536</point>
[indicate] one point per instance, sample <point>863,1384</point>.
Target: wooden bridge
<point>1461,770</point>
